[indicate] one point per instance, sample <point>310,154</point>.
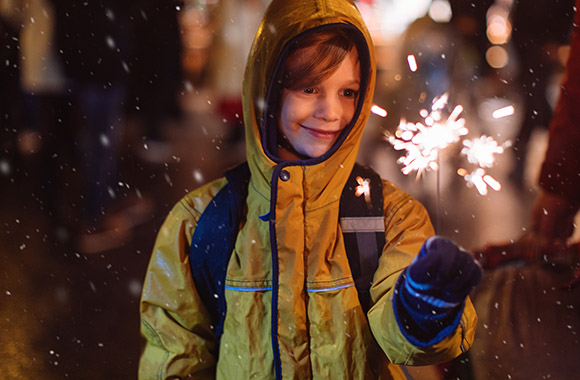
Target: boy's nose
<point>328,108</point>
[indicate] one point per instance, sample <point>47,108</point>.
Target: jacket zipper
<point>275,272</point>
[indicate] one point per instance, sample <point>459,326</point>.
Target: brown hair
<point>330,48</point>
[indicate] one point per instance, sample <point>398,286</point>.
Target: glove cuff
<point>424,320</point>
<point>421,293</point>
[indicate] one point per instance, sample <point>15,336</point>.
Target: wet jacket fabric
<point>560,172</point>
<point>292,308</point>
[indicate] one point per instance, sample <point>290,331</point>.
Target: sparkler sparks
<point>412,62</point>
<point>480,180</point>
<point>481,151</point>
<point>424,141</point>
<point>503,112</point>
<point>379,111</point>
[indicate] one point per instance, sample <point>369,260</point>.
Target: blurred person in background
<point>469,22</point>
<point>9,85</point>
<point>532,303</point>
<point>95,49</point>
<point>45,141</point>
<point>555,208</point>
<point>432,46</point>
<point>540,27</point>
<point>42,78</point>
<point>238,20</point>
<point>156,76</point>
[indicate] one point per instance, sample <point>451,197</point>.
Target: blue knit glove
<point>442,274</point>
<point>430,293</point>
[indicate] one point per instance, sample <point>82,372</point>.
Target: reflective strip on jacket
<point>292,308</point>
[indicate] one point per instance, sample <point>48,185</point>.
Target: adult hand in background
<point>553,218</point>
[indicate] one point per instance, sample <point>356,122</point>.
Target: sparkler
<point>424,141</point>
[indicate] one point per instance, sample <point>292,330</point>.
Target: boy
<point>292,308</point>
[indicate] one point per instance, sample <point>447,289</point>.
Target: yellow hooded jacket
<point>292,308</point>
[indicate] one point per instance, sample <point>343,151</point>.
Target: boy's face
<point>312,118</point>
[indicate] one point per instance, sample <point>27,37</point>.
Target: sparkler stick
<point>423,142</point>
<point>438,203</point>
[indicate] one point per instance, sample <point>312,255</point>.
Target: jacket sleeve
<point>407,226</point>
<point>180,342</point>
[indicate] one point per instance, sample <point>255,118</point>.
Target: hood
<point>283,21</point>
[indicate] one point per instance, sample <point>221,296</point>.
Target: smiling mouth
<point>321,133</point>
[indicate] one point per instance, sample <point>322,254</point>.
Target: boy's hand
<point>432,290</point>
<point>442,272</point>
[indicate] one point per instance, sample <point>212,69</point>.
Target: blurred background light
<point>388,19</point>
<point>440,11</point>
<point>497,57</point>
<point>499,28</point>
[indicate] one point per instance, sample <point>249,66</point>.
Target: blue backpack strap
<point>213,241</point>
<point>363,228</point>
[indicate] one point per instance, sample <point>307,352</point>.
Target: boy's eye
<point>309,90</point>
<point>349,93</point>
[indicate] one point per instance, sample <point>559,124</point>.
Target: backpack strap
<point>213,241</point>
<point>363,227</point>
